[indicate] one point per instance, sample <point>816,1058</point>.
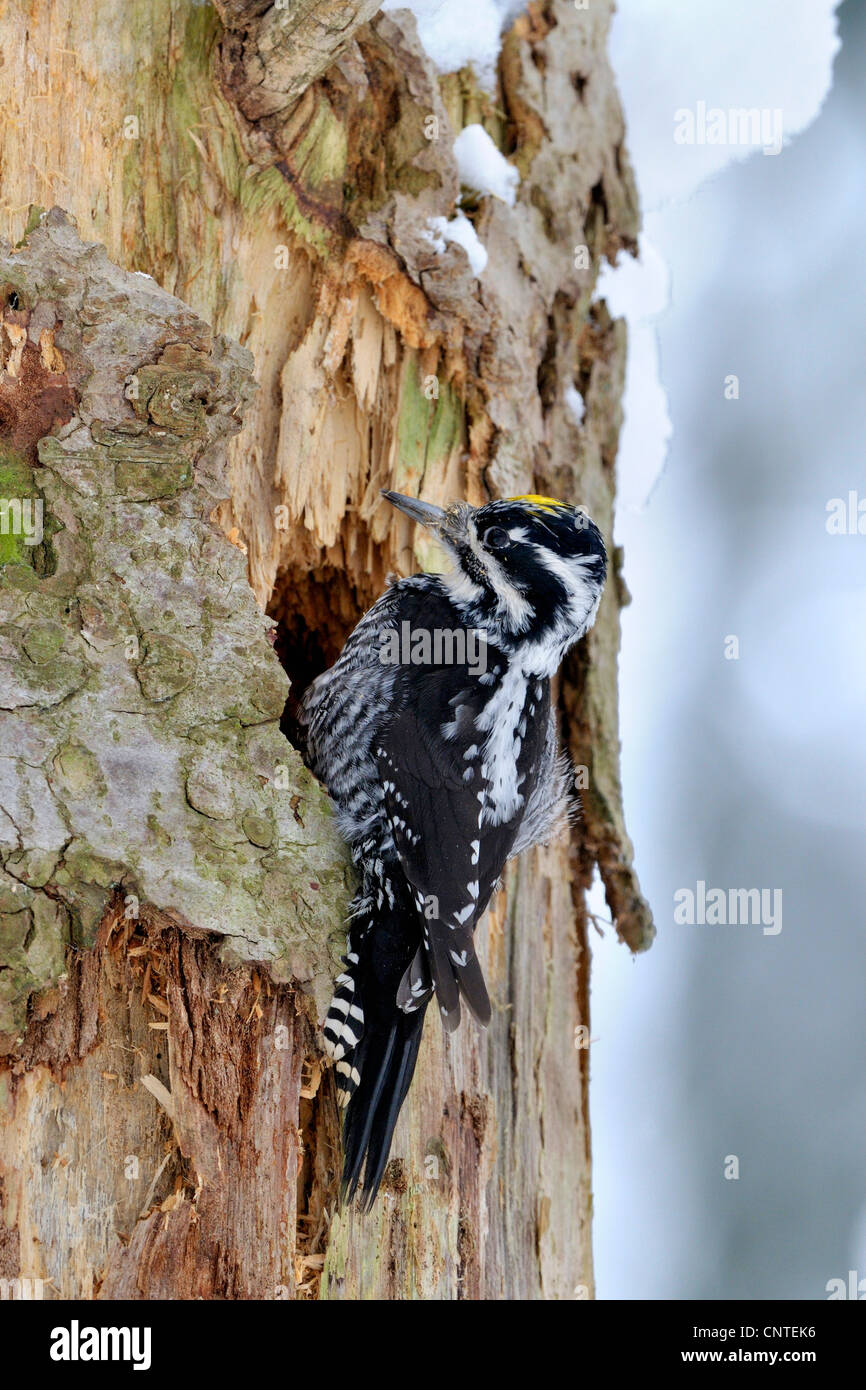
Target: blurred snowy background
<point>749,772</point>
<point>725,1043</point>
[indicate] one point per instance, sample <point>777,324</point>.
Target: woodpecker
<point>434,735</point>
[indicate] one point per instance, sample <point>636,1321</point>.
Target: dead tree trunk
<point>172,891</point>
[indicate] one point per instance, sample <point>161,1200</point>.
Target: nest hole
<point>314,611</point>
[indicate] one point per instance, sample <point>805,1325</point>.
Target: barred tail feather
<point>344,1026</point>
<point>373,1042</point>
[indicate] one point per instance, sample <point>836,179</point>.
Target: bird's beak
<point>423,512</point>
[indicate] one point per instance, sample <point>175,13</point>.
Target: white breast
<point>501,722</point>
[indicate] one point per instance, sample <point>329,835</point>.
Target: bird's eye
<point>496,538</point>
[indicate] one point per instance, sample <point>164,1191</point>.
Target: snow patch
<point>483,167</point>
<point>731,55</point>
<point>457,33</point>
<point>575,404</point>
<point>639,291</point>
<point>460,230</point>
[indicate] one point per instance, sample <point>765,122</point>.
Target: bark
<point>173,890</point>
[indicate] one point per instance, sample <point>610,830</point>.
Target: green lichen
<point>86,881</point>
<point>144,482</point>
<point>258,829</point>
<point>34,217</point>
<point>42,643</point>
<point>430,426</point>
<point>34,934</point>
<point>16,484</point>
<point>33,867</point>
<point>187,155</point>
<point>447,427</point>
<point>269,189</point>
<point>76,772</point>
<point>168,667</point>
<point>413,426</point>
<point>321,154</point>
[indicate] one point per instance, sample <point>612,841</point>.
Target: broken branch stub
<point>272,55</point>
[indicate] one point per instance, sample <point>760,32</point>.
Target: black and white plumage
<point>440,756</point>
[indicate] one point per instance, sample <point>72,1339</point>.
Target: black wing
<point>430,760</point>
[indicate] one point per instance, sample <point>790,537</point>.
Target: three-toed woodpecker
<point>434,735</point>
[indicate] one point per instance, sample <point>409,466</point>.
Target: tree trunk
<point>173,891</point>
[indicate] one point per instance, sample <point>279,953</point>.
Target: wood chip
<point>154,1180</point>
<point>310,1084</point>
<point>159,1092</point>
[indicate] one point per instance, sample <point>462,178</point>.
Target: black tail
<point>386,1061</point>
<point>373,1041</point>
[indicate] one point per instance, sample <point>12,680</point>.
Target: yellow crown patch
<point>547,503</point>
